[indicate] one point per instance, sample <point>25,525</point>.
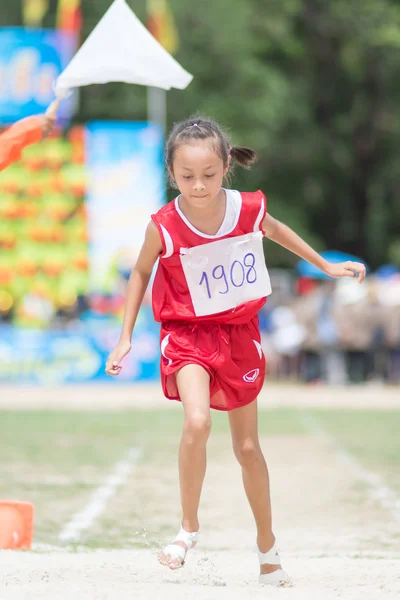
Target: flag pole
<point>161,25</point>
<point>157,107</point>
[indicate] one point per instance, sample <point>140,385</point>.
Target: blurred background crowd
<point>335,332</point>
<point>311,85</point>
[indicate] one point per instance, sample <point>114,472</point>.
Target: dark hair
<point>199,128</point>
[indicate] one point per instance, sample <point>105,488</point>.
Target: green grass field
<point>56,459</point>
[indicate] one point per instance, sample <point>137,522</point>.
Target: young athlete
<point>210,282</point>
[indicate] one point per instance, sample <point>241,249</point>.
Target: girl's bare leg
<point>194,389</point>
<point>244,429</point>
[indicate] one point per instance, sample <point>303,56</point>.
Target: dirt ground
<point>115,396</point>
<point>335,541</point>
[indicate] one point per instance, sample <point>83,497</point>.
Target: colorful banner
<point>33,12</point>
<point>30,62</point>
<point>43,233</point>
<point>79,355</point>
<point>52,242</point>
<point>161,24</point>
<point>69,16</point>
<point>125,186</point>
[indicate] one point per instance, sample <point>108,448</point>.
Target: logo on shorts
<point>251,376</point>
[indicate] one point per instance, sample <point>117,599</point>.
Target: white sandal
<point>176,552</point>
<point>277,578</point>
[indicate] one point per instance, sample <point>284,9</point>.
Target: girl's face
<point>198,172</point>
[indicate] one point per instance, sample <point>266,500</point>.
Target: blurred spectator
<point>335,331</point>
<point>356,325</point>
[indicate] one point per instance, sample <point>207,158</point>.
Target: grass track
<point>56,458</point>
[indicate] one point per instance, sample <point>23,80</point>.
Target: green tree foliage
<point>312,85</point>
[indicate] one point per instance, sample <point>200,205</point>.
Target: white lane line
<point>97,503</point>
<point>378,490</point>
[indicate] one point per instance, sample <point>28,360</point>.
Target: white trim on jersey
<point>169,245</point>
<point>232,214</point>
<point>259,216</point>
<point>164,345</point>
<point>259,348</point>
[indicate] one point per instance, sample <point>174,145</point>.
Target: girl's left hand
<point>347,269</point>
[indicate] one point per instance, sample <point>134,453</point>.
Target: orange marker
<point>16,525</point>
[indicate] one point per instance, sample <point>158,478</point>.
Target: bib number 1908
<point>225,274</point>
<point>239,273</point>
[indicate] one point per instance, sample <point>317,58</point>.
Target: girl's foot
<point>271,572</point>
<point>174,555</point>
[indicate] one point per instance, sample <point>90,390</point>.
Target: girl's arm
<point>286,237</point>
<point>137,286</point>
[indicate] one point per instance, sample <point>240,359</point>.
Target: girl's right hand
<point>113,366</point>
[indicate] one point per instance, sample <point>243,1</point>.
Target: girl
<point>210,283</point>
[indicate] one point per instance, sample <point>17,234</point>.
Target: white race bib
<point>226,273</point>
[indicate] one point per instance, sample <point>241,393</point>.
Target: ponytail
<point>244,156</point>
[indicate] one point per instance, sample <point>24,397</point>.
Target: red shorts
<point>231,354</point>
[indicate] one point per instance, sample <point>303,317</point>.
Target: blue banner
<point>125,186</point>
<point>30,62</point>
<point>78,355</point>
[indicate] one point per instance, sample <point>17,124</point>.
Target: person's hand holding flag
<point>49,118</point>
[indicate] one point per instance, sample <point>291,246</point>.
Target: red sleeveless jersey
<point>245,213</point>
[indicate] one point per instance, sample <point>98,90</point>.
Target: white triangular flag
<point>120,48</point>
